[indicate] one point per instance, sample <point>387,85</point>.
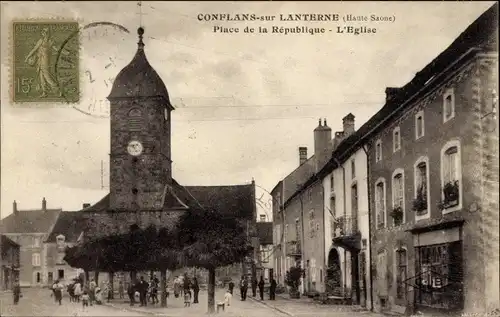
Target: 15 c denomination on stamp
<point>37,47</point>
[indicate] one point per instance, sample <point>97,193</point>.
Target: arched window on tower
<point>135,119</point>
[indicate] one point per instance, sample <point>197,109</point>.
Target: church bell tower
<point>140,159</point>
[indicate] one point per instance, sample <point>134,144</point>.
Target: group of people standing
<point>143,288</point>
<point>183,286</point>
<point>255,284</point>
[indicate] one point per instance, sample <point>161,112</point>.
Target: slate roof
<point>139,79</point>
<point>70,224</point>
<point>265,232</point>
<point>296,179</point>
<point>4,240</point>
<point>237,200</point>
<point>482,33</point>
<point>30,221</point>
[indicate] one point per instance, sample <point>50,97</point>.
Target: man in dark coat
<point>231,286</point>
<point>196,290</point>
<point>261,287</point>
<point>143,291</point>
<point>254,287</point>
<point>16,291</point>
<point>272,289</point>
<point>131,293</point>
<point>243,287</point>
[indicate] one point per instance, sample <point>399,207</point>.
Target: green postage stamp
<point>45,61</point>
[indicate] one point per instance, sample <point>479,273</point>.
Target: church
<point>143,191</point>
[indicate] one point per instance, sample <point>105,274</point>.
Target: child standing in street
<point>227,297</point>
<point>187,298</point>
<point>85,299</point>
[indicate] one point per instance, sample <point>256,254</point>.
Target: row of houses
<point>402,213</point>
<point>42,235</point>
<point>33,243</point>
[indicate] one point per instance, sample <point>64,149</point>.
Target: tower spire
<point>140,32</point>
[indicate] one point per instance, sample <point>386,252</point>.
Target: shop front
<point>438,280</point>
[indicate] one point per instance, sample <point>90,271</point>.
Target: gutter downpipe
<point>345,215</point>
<point>369,227</point>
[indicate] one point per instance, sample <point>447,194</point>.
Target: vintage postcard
<point>249,158</point>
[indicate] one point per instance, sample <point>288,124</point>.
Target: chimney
<point>44,204</point>
<point>14,207</point>
<point>390,93</point>
<point>322,137</point>
<point>86,205</point>
<point>348,123</point>
<point>302,155</point>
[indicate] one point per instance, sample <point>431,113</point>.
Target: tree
<point>211,240</point>
<point>138,249</point>
<point>293,278</point>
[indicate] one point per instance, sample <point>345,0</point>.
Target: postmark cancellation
<point>45,61</point>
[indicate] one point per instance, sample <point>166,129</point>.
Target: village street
<point>37,302</point>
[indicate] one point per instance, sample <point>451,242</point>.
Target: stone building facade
<point>9,262</point>
<point>431,171</point>
<point>29,228</point>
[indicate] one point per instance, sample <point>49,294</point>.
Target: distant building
<point>65,233</point>
<point>298,216</point>
<point>266,250</point>
<point>346,214</point>
<point>29,228</point>
<point>9,262</point>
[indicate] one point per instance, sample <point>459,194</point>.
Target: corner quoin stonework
<point>45,60</point>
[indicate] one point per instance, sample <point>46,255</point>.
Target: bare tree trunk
<point>133,277</point>
<point>112,284</point>
<point>211,290</point>
<point>87,278</point>
<point>96,277</point>
<point>163,288</point>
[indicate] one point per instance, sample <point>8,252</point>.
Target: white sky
<point>245,102</point>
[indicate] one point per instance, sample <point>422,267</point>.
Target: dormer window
<point>60,239</point>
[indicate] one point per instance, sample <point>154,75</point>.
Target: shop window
<point>439,276</point>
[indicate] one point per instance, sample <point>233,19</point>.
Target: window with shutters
<point>396,139</point>
<point>353,169</point>
<point>35,259</point>
<point>421,196</point>
<point>419,125</point>
<point>380,203</point>
<point>378,151</point>
<point>448,105</point>
<point>398,206</point>
<point>401,273</point>
<point>451,177</point>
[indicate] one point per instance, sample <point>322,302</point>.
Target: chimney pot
<point>319,122</point>
<point>348,124</point>
<point>86,205</point>
<point>14,207</point>
<point>44,204</point>
<point>302,155</point>
<point>391,92</point>
<point>325,123</point>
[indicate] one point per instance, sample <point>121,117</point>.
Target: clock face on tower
<point>134,148</point>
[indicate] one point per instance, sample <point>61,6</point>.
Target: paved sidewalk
<point>305,306</point>
<point>175,307</point>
